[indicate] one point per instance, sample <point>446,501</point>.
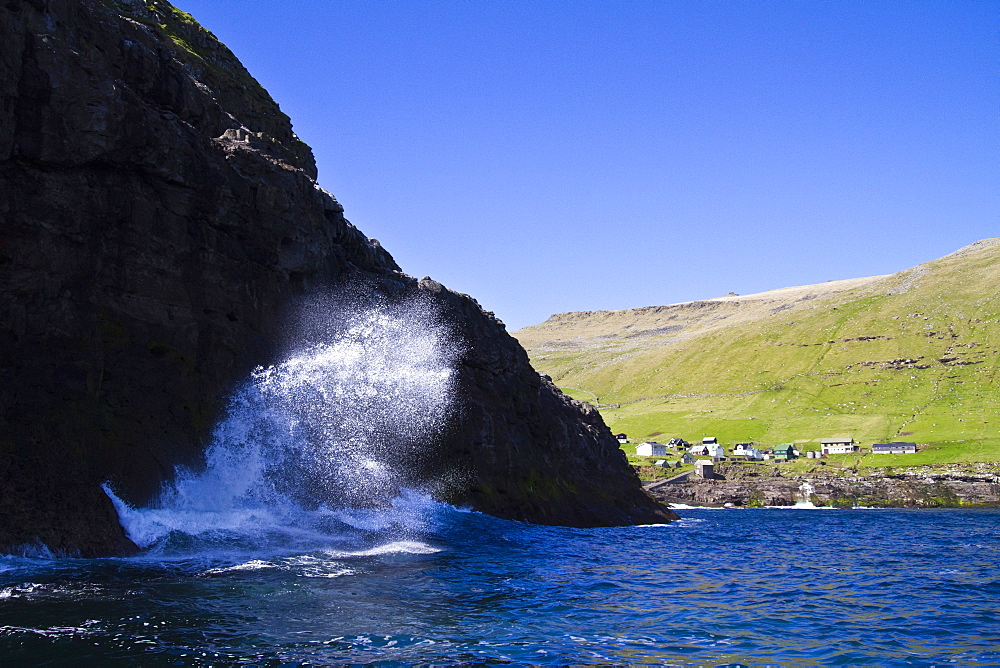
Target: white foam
<point>307,442</point>
<point>253,565</point>
<point>398,547</point>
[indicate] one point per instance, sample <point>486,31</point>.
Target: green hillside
<point>911,356</point>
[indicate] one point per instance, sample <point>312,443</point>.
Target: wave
<point>322,450</point>
<point>336,532</point>
<point>802,505</point>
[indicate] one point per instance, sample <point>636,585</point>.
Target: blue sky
<point>552,156</point>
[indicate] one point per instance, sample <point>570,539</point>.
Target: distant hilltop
<point>912,354</point>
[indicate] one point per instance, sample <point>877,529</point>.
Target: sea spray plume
<point>365,395</point>
<point>336,425</point>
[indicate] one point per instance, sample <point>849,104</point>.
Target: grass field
<point>911,357</point>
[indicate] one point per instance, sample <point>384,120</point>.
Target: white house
<point>650,449</point>
<point>713,450</point>
<point>894,448</point>
<point>838,446</point>
<point>748,451</point>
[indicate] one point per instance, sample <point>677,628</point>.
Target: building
<point>785,451</point>
<point>709,440</point>
<point>713,450</point>
<point>622,438</point>
<point>705,469</point>
<point>650,449</point>
<point>748,451</point>
<point>898,448</point>
<point>838,445</point>
<point>687,458</point>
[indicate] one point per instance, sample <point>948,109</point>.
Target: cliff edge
<point>159,216</point>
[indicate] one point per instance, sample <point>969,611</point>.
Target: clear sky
<point>550,156</point>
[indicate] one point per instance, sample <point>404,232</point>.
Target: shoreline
<point>741,485</point>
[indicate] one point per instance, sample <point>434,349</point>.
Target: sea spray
<point>322,443</point>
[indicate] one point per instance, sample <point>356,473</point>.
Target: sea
<point>302,541</point>
<point>425,583</point>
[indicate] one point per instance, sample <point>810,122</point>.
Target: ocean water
<point>305,540</point>
<point>421,582</point>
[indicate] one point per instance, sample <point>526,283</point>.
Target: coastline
<point>744,485</point>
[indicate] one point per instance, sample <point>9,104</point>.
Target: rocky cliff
<point>755,485</point>
<point>159,216</point>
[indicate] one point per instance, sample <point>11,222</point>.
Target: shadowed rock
<point>159,220</point>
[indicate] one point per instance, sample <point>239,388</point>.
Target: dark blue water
<point>430,584</point>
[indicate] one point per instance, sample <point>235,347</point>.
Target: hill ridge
<point>835,285</point>
<point>914,354</point>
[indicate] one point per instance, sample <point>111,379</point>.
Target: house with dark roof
<point>747,451</point>
<point>897,448</point>
<point>785,451</point>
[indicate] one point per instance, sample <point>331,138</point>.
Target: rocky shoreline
<point>756,485</point>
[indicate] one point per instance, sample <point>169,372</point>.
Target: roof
<point>895,444</point>
<point>784,447</point>
<point>837,439</point>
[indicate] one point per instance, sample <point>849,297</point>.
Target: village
<point>709,451</point>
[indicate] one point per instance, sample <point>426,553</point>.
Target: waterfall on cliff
<point>325,438</point>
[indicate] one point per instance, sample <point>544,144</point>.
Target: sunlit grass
<point>912,357</point>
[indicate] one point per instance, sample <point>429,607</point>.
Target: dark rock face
<point>158,217</point>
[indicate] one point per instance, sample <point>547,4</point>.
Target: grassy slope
<point>791,365</point>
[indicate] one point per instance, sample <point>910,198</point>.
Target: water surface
<point>423,582</point>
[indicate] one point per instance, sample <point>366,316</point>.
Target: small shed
<point>709,440</point>
<point>687,458</point>
<point>703,468</point>
<point>622,438</point>
<point>897,448</point>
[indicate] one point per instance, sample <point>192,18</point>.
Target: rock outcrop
<point>159,216</point>
<point>754,485</point>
